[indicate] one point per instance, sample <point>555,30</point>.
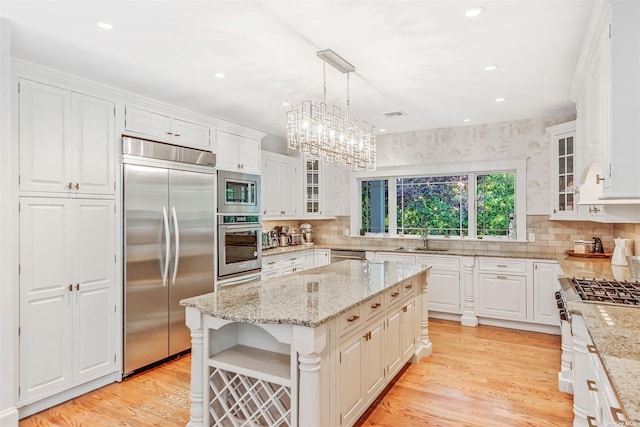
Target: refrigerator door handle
<point>167,251</point>
<point>177,257</point>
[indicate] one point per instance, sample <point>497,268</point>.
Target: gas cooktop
<point>612,291</point>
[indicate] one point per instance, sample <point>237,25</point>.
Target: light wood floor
<point>482,376</point>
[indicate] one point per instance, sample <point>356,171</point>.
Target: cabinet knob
<point>77,186</point>
<point>404,309</point>
<point>70,185</point>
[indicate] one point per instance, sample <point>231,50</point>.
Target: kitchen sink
<point>403,249</point>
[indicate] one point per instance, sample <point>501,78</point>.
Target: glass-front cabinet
<point>315,195</point>
<point>564,179</point>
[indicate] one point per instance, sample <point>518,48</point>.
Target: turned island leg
<point>309,343</point>
<point>424,346</point>
<point>194,322</point>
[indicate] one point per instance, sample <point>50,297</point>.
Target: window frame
<point>516,166</point>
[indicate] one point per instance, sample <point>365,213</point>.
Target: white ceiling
<point>422,57</point>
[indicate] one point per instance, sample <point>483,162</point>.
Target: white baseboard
<point>525,326</point>
<point>56,399</point>
<point>9,417</point>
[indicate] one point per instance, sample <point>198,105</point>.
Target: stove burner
<point>613,291</point>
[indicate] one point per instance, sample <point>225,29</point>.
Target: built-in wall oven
<point>238,193</point>
<point>239,249</point>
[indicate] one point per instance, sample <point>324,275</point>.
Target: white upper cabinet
<point>280,186</point>
<point>165,128</point>
<point>564,189</point>
<point>237,153</point>
<point>316,202</point>
<point>67,141</point>
<point>606,89</point>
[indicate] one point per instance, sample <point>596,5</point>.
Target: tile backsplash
<point>553,237</point>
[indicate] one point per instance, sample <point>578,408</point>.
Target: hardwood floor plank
<point>484,376</point>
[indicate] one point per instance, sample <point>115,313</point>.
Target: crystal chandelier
<point>319,133</point>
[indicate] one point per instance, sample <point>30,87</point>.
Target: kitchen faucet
<point>424,235</point>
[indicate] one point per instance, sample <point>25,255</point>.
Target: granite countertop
<point>308,298</point>
<point>614,331</point>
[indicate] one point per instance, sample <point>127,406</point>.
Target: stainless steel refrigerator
<point>169,220</point>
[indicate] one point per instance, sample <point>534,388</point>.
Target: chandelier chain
<point>348,96</point>
<point>324,81</point>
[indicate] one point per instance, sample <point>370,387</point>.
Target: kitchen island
<point>313,348</point>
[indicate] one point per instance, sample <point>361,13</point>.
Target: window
<point>495,203</point>
<point>375,206</point>
<point>488,202</point>
<point>433,205</point>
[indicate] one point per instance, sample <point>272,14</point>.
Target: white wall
<point>8,288</point>
<point>494,141</point>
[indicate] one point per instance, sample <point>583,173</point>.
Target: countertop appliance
<point>338,255</point>
<point>238,193</point>
<point>169,245</point>
<point>239,247</point>
<point>306,230</point>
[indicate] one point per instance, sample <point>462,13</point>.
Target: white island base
<point>275,374</point>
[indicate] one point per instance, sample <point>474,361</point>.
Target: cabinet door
<point>289,188</point>
<point>545,285</point>
<point>443,292</point>
<point>270,196</point>
<point>147,123</point>
<point>502,296</point>
<point>45,298</point>
<point>393,341</point>
<point>386,256</point>
<point>94,316</point>
<point>408,312</point>
<point>312,188</point>
<point>190,134</point>
<point>92,157</point>
<point>44,129</point>
<point>351,384</point>
<point>309,260</point>
<point>321,257</point>
<point>237,153</point>
<point>374,362</point>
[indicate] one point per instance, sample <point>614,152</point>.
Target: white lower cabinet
<point>502,296</point>
<point>293,262</point>
<point>444,282</point>
<point>377,339</point>
<point>321,257</point>
<point>545,286</point>
<point>67,307</point>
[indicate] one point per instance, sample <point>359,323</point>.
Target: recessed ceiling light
<point>285,103</point>
<point>382,130</point>
<point>104,26</point>
<point>501,99</point>
<point>491,67</point>
<point>218,75</point>
<point>466,120</point>
<point>474,11</point>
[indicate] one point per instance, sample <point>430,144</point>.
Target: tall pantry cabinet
<point>67,214</point>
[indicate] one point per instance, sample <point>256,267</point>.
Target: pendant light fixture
<point>319,133</point>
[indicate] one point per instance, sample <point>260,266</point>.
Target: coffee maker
<point>307,233</point>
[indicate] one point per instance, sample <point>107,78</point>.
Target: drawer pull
<point>592,349</point>
<point>404,309</point>
<point>271,262</point>
<point>376,305</point>
<point>395,294</point>
<point>616,413</point>
<point>591,385</point>
<point>408,286</point>
<point>591,421</point>
<point>367,336</point>
<point>502,277</point>
<point>501,265</point>
<point>353,318</point>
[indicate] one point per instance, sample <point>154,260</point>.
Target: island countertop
<point>308,298</point>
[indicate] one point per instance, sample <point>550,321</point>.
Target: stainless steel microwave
<point>238,193</point>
